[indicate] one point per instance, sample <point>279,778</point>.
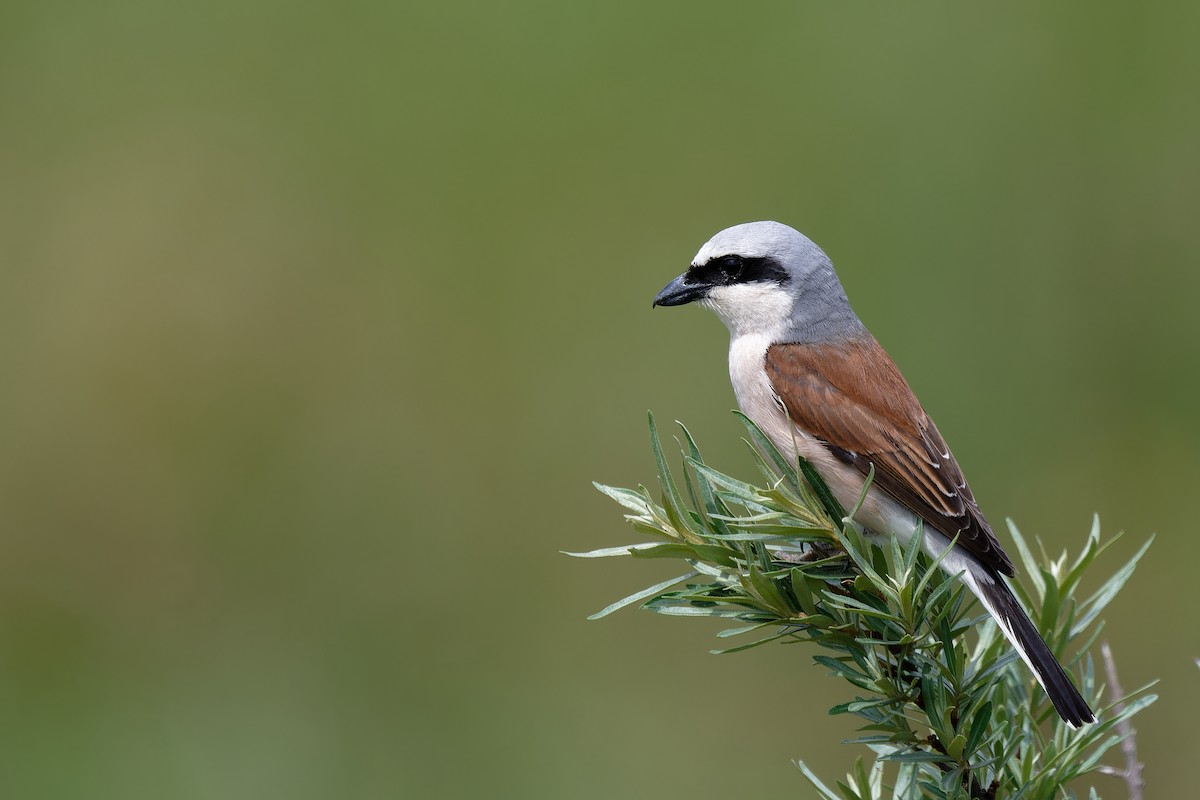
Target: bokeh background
<point>318,319</point>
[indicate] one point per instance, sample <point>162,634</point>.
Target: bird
<point>806,370</point>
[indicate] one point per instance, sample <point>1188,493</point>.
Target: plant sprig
<point>949,711</point>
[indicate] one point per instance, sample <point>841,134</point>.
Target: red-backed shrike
<point>813,378</point>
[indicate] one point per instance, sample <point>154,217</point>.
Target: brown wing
<point>854,399</point>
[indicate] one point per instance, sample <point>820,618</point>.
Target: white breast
<point>757,400</point>
<point>752,387</point>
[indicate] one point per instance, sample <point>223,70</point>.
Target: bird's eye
<point>731,267</point>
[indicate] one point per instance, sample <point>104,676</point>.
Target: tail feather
<point>1000,602</point>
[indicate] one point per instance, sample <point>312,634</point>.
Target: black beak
<point>679,291</point>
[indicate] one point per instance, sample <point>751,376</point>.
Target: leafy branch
<point>948,711</point>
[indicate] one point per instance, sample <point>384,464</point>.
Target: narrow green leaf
<point>854,606</point>
<point>906,787</point>
<point>1133,707</point>
<point>758,536</point>
<point>738,488</point>
<point>729,632</point>
<point>689,610</point>
<point>861,781</point>
<point>830,503</point>
<point>856,548</point>
<point>673,503</point>
<point>608,552</point>
<point>725,577</point>
<point>765,468</point>
<point>934,567</point>
<point>666,532</point>
<point>626,497</point>
<point>954,748</point>
<point>1093,759</point>
<point>739,648</point>
<point>918,757</point>
<point>933,699</point>
<point>914,549</point>
<point>713,554</point>
<point>951,608</point>
<point>839,667</point>
<point>715,508</point>
<point>979,723</point>
<point>642,595</point>
<point>802,591</point>
<point>1104,595</point>
<point>677,516</point>
<point>767,447</point>
<point>766,589</point>
<point>895,557</point>
<point>1032,567</point>
<point>1091,550</point>
<point>862,497</point>
<point>1048,614</point>
<point>692,496</point>
<point>1007,659</point>
<point>859,706</point>
<point>877,738</point>
<point>816,782</point>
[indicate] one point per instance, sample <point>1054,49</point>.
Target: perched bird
<point>813,378</point>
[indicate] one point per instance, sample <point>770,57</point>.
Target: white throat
<point>751,309</point>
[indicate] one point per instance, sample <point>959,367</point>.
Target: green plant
<point>948,710</point>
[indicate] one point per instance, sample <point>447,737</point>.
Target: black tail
<point>1021,631</point>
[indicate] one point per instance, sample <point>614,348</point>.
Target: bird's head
<point>761,278</point>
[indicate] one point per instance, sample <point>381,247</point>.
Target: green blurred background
<point>317,320</point>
